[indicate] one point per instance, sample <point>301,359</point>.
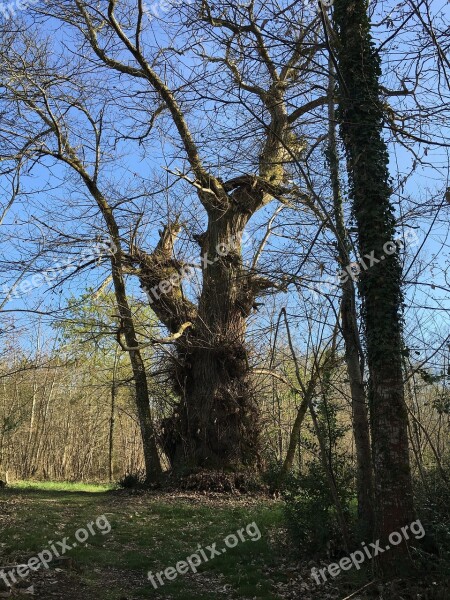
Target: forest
<point>224,282</point>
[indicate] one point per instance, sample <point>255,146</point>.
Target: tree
<point>354,355</point>
<point>217,421</point>
<point>361,123</point>
<point>91,320</point>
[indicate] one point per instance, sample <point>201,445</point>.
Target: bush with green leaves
<point>432,493</point>
<point>310,510</point>
<point>309,505</point>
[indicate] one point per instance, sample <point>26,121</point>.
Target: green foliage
<point>362,115</point>
<point>432,493</point>
<point>92,320</point>
<point>272,475</point>
<point>309,508</point>
<point>9,424</point>
<point>440,390</point>
<point>428,377</point>
<point>442,402</point>
<point>61,486</point>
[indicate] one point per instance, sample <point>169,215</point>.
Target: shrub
<point>132,481</point>
<point>432,493</point>
<point>310,510</point>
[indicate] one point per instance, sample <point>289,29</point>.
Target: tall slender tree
<point>354,356</point>
<point>361,125</point>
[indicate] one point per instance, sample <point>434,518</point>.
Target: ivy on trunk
<point>361,125</point>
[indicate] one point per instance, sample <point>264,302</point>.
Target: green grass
<point>151,532</point>
<point>148,533</point>
<point>61,486</point>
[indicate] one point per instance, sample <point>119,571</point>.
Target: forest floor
<point>153,531</point>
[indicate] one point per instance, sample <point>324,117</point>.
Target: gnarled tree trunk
<point>216,424</point>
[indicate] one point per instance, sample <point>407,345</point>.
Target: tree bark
<point>216,424</point>
<point>361,122</point>
<point>149,443</point>
<point>288,462</point>
<point>152,461</point>
<point>349,326</point>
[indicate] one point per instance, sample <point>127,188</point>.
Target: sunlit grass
<point>61,486</point>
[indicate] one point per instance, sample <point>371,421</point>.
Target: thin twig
<point>360,590</point>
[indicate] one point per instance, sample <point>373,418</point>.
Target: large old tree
<point>216,423</point>
<point>241,78</point>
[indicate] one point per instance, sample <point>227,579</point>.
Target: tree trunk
<point>150,449</point>
<point>221,416</point>
<point>308,394</point>
<point>349,326</point>
<point>361,120</point>
<point>112,420</point>
<point>288,462</point>
<point>216,425</point>
<point>360,418</point>
<point>219,424</point>
<point>152,462</point>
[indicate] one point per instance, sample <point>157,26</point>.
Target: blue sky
<point>425,166</point>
